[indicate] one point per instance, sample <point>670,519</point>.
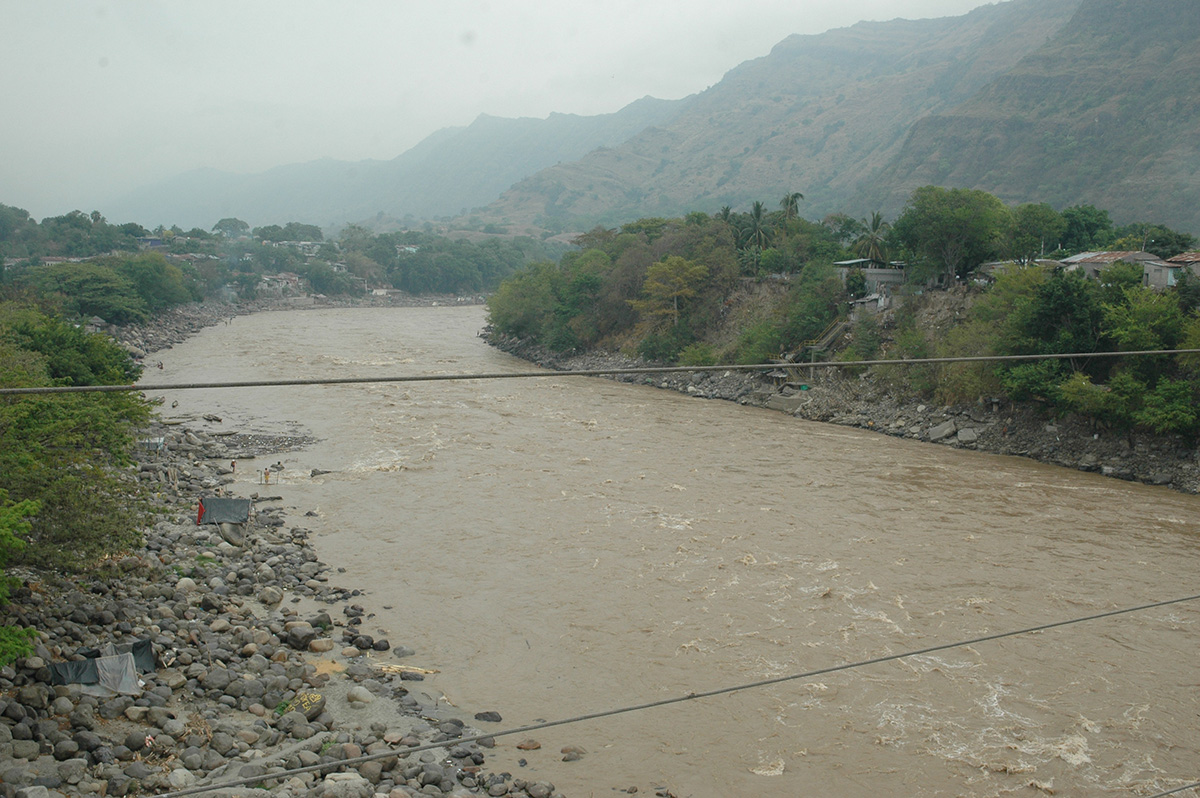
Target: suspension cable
<point>680,699</point>
<point>187,386</point>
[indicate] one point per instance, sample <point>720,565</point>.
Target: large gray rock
<point>33,792</point>
<point>346,785</point>
<point>270,595</point>
<point>25,749</point>
<point>300,635</point>
<point>72,771</point>
<point>943,430</point>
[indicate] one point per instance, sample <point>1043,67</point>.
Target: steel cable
<point>679,699</point>
<point>188,386</point>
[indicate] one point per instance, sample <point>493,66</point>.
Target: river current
<point>561,546</point>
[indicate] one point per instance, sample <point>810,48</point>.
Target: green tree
<point>524,303</point>
<point>790,205</point>
<point>90,289</point>
<point>667,282</point>
<point>1037,229</point>
<point>67,452</point>
<point>231,227</point>
<point>14,527</point>
<point>295,231</point>
<point>1154,238</point>
<point>952,230</point>
<point>871,243</point>
<point>756,232</point>
<point>160,283</point>
<point>355,238</point>
<point>1145,319</point>
<point>1088,228</point>
<point>1172,408</point>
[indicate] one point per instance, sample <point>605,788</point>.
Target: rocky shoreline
<point>262,664</point>
<point>1024,430</point>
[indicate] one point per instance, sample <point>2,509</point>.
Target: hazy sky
<point>102,97</point>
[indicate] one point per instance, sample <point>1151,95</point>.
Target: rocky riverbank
<point>1024,430</point>
<point>262,664</point>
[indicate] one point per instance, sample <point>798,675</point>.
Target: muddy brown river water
<point>564,545</point>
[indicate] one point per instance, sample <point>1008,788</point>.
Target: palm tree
<point>756,232</point>
<point>790,205</point>
<point>872,241</point>
<point>725,214</point>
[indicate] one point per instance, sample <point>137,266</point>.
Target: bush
<point>14,641</point>
<point>698,354</point>
<point>758,343</point>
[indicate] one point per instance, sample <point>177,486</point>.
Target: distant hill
<point>1063,101</point>
<point>1107,112</point>
<point>447,173</point>
<point>822,114</point>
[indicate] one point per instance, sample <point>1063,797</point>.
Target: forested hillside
<point>760,286</point>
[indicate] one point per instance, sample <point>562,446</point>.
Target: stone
<point>65,749</point>
<point>300,635</point>
<point>359,695</point>
<point>529,745</point>
<point>72,771</point>
<point>372,771</point>
<point>488,717</point>
<point>270,595</point>
<point>33,792</point>
<point>967,436</point>
<point>34,695</point>
<point>346,785</point>
<point>179,779</point>
<point>308,705</point>
<point>25,749</point>
<point>943,430</point>
<point>233,534</point>
<point>321,645</point>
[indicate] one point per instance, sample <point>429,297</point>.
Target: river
<point>561,546</point>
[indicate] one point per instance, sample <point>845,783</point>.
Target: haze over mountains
<point>1064,101</point>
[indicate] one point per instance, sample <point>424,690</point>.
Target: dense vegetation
<point>119,285</point>
<point>662,288</point>
<point>65,500</point>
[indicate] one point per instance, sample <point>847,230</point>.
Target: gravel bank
<point>1025,430</point>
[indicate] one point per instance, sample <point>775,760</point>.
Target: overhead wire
<point>682,698</point>
<point>601,372</point>
<point>45,390</point>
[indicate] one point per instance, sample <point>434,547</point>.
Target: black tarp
<point>112,667</point>
<point>215,510</point>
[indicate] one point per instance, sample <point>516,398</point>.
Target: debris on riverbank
<point>263,664</point>
<point>1024,430</point>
